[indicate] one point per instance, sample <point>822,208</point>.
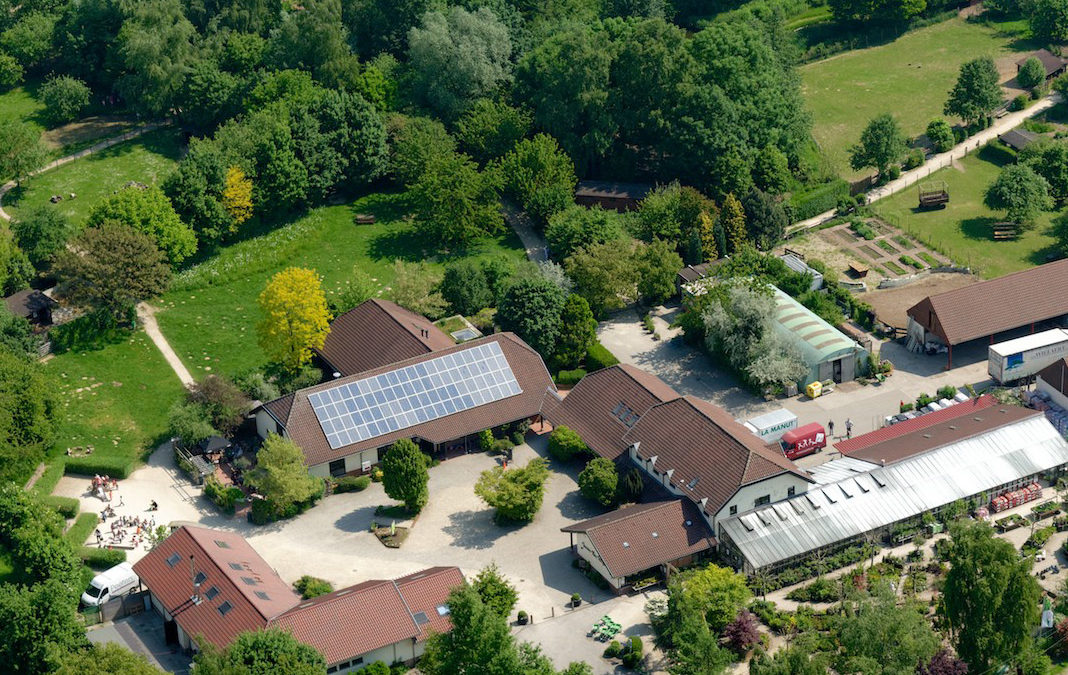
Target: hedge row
<point>50,478</point>
<point>598,357</point>
<point>101,558</point>
<point>81,529</point>
<point>65,506</point>
<point>809,203</point>
<point>115,467</point>
<point>569,378</point>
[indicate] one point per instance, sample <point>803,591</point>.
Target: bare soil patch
<point>891,304</point>
<point>84,130</point>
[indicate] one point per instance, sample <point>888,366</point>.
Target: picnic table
<point>605,629</point>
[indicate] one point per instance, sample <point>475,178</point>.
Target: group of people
<point>121,527</point>
<point>848,426</point>
<point>103,486</point>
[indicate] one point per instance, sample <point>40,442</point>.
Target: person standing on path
<point>830,428</point>
<point>849,428</point>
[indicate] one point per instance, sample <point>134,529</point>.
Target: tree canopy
<point>976,93</point>
<point>881,145</point>
<point>1021,193</point>
<point>280,474</point>
<point>404,474</point>
<point>295,318</point>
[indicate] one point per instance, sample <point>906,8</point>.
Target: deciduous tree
<point>465,287</point>
<point>39,624</point>
<point>1048,19</point>
<point>64,97</point>
<point>106,659</point>
<point>977,93</point>
<point>28,407</point>
<point>21,150</point>
<point>155,46</point>
<point>455,204</point>
<point>415,142</point>
<point>719,592</point>
<point>540,176</point>
<point>604,274</point>
<point>531,308</point>
<point>459,56</point>
<point>195,189</point>
<point>940,134</point>
<point>1021,193</point>
<point>881,144</point>
<point>990,600</point>
<point>10,71</point>
<point>733,219</point>
<point>295,318</point>
<point>489,129</point>
<point>237,196</point>
<point>498,595</point>
<point>261,652</point>
<point>41,232</point>
<point>404,474</point>
<point>598,481</point>
<point>147,210</point>
<point>515,493</point>
<point>1032,73</point>
<point>565,444</point>
<point>657,265</point>
<point>415,287</point>
<point>771,170</point>
<point>576,227</point>
<point>882,637</point>
<point>479,643</point>
<point>280,474</point>
<point>1049,160</point>
<point>111,268</point>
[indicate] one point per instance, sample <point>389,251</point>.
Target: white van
<point>113,583</point>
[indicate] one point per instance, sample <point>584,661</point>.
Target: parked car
<point>109,584</point>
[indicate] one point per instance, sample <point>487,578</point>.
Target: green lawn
<point>19,104</point>
<point>963,229</point>
<point>115,399</point>
<point>909,77</point>
<point>147,159</point>
<point>209,316</point>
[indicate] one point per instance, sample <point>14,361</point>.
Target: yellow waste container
<point>814,389</point>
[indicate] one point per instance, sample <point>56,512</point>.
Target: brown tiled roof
<point>377,333</point>
<point>303,427</point>
<point>654,534</point>
<point>226,560</point>
<point>920,439</point>
<point>1017,139</point>
<point>1050,62</point>
<point>1056,375</point>
<point>866,445</point>
<point>26,303</point>
<point>280,408</point>
<point>1001,304</point>
<point>702,443</point>
<point>361,618</point>
<point>588,407</point>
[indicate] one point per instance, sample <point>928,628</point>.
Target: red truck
<point>803,441</point>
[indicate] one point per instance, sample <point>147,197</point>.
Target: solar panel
<point>377,405</point>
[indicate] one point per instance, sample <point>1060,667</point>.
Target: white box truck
<point>771,426</point>
<point>1023,357</point>
<point>112,583</point>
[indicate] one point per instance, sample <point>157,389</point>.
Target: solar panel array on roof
<point>402,398</point>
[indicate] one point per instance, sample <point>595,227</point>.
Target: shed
<point>1053,64</point>
<point>691,273</point>
<point>1018,139</point>
<point>32,305</point>
<point>797,264</point>
<point>611,195</point>
<point>829,354</point>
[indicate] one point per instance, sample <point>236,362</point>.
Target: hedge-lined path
<point>96,147</point>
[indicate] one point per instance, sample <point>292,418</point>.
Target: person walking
<point>849,428</point>
<point>830,428</point>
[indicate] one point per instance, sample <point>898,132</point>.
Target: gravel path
<point>147,315</point>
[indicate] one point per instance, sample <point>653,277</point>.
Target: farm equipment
<point>934,194</point>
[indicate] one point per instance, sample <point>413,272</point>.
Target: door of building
<point>837,372</point>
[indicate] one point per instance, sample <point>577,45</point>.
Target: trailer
<point>770,427</point>
<point>934,194</point>
<point>1023,357</point>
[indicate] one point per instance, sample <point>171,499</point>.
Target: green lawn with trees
<point>909,77</point>
<point>221,291</point>
<point>147,159</point>
<point>19,104</point>
<point>964,229</point>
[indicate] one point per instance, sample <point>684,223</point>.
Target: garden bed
<point>1009,523</point>
<point>391,537</point>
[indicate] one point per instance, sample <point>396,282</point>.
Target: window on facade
<point>760,501</point>
<point>337,467</point>
<point>734,510</point>
<point>790,491</point>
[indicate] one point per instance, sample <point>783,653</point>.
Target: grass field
<point>962,230</point>
<point>909,77</point>
<point>147,159</point>
<point>19,104</point>
<point>115,399</point>
<point>209,316</point>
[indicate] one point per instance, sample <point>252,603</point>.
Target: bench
<point>364,219</point>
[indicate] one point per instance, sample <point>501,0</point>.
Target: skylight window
<point>443,610</point>
<point>212,592</point>
<point>200,578</point>
<point>225,608</point>
<point>262,596</point>
<point>249,580</point>
<point>421,618</point>
<point>221,544</point>
<point>173,560</point>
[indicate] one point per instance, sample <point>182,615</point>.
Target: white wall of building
<point>265,424</point>
<point>585,548</point>
<point>1055,397</point>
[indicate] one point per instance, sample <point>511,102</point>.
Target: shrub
<point>101,558</point>
<point>922,400</point>
<point>633,656</point>
<point>565,444</point>
<point>820,590</point>
<point>351,484</point>
<point>948,391</point>
<point>485,440</point>
<point>612,650</point>
<point>905,407</point>
<point>64,506</point>
<point>598,357</point>
<point>569,378</point>
<point>1020,102</point>
<point>863,229</point>
<point>224,497</point>
<point>90,465</point>
<point>940,134</point>
<point>501,446</point>
<point>915,158</point>
<point>64,98</point>
<point>812,202</point>
<point>599,481</point>
<point>77,533</point>
<point>376,475</point>
<point>312,587</point>
<point>376,668</point>
<point>1031,73</point>
<point>894,172</point>
<point>50,478</point>
<point>518,438</point>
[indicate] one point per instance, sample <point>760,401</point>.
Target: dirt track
<point>890,304</point>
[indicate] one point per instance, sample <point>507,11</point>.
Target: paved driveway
<point>142,634</point>
<point>333,539</point>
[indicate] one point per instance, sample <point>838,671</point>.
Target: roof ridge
<point>379,304</point>
<point>1029,270</point>
<point>636,510</point>
<point>407,607</point>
